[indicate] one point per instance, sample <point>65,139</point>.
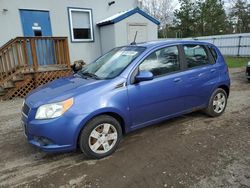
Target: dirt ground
<point>189,151</point>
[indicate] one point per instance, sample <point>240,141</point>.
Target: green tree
<point>185,18</point>
<point>214,18</point>
<point>240,16</point>
<point>202,17</point>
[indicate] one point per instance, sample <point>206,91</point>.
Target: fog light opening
<point>43,141</point>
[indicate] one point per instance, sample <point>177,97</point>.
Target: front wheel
<point>100,137</point>
<point>217,103</point>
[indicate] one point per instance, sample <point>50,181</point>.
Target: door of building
<point>36,23</point>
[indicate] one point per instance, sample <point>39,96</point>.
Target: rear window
<point>196,55</point>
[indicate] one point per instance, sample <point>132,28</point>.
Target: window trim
<point>135,70</point>
<point>89,10</point>
<point>210,48</point>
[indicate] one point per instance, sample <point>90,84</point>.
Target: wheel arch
<point>120,118</point>
<point>117,116</point>
<point>225,88</point>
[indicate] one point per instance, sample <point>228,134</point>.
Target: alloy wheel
<point>219,102</point>
<point>103,138</point>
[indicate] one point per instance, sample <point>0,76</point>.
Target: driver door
<point>157,99</point>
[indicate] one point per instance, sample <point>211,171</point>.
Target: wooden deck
<point>23,59</point>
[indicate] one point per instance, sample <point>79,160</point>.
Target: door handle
<point>177,79</point>
<point>212,70</point>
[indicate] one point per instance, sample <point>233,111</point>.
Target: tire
<point>248,79</point>
<point>100,137</point>
<point>216,106</point>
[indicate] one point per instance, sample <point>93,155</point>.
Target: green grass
<point>234,62</point>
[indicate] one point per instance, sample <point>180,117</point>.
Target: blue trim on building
<point>130,13</point>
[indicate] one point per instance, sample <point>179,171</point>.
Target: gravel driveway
<point>189,151</point>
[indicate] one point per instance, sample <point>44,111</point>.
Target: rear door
<point>200,75</point>
<point>161,97</point>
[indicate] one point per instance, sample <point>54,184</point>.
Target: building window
<point>81,25</point>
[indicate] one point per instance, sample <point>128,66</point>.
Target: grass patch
<point>234,62</point>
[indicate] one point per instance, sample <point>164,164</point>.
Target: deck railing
<point>28,54</point>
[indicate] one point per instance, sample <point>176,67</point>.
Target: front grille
<point>25,109</point>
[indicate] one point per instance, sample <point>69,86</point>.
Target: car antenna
<point>134,43</point>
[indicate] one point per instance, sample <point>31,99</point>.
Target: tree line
<point>200,17</point>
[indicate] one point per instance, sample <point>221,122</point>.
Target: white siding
<point>121,29</point>
<point>107,38</point>
<point>123,36</point>
<point>11,24</point>
<point>138,30</point>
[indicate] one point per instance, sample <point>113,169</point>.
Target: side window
<point>195,55</point>
<point>213,53</point>
<point>163,61</point>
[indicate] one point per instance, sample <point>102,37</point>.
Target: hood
<point>61,89</point>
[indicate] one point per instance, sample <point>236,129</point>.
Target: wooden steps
<point>18,77</point>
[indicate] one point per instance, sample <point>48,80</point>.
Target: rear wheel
<point>217,103</point>
<point>100,137</point>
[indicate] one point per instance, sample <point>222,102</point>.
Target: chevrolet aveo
<point>128,88</point>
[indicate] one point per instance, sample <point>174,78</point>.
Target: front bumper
<point>53,135</point>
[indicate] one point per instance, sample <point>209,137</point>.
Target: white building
<point>92,27</point>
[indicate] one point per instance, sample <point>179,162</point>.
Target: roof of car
<point>159,43</point>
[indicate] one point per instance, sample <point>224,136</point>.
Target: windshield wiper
<point>91,75</point>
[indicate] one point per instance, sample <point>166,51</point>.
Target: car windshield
<point>112,63</point>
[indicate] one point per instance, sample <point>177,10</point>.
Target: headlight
<point>53,110</point>
<point>248,64</point>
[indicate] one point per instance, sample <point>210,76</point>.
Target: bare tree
<point>161,10</point>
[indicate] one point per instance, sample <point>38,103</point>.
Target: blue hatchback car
<point>128,88</point>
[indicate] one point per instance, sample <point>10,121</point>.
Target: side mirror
<point>144,76</point>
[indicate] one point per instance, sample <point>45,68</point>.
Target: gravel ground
<point>189,151</point>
